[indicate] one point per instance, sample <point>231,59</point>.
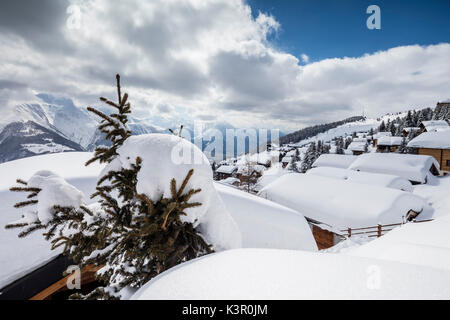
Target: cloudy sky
<point>249,63</point>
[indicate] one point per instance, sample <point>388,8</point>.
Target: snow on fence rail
<point>376,231</point>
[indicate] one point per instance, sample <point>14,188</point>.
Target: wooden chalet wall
<point>441,156</point>
<point>324,238</point>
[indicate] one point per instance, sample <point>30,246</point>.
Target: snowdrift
<point>283,274</point>
<point>341,204</point>
<point>415,168</point>
<point>376,179</point>
<point>426,244</point>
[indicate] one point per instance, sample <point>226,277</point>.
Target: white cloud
<point>305,58</point>
<point>213,59</point>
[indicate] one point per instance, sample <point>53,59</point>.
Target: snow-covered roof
<point>411,129</point>
<point>390,141</point>
<point>264,157</point>
<point>227,169</point>
<point>376,179</point>
<point>248,274</point>
<point>270,175</point>
<point>265,224</point>
<point>229,181</point>
<point>361,134</point>
<point>334,160</point>
<point>359,140</point>
<point>253,168</point>
<point>382,134</point>
<point>434,123</point>
<point>339,203</point>
<point>434,140</point>
<point>437,128</point>
<point>357,146</point>
<point>412,167</point>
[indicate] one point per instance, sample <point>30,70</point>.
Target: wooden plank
<point>87,276</point>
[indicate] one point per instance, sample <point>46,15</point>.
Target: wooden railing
<point>375,231</point>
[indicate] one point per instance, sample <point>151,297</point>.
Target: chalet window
<point>448,163</point>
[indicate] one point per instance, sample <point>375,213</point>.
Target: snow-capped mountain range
<point>73,127</point>
<point>53,125</point>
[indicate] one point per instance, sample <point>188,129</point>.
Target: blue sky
<point>330,28</point>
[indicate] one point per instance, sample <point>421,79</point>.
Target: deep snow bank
<point>284,274</point>
<point>426,244</point>
<point>266,224</point>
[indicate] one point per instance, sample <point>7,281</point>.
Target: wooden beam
<point>87,276</point>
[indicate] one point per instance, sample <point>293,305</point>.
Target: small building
<point>432,125</point>
<point>408,130</point>
<point>332,204</point>
<point>226,171</point>
<point>418,169</point>
<point>435,144</point>
<point>389,144</point>
<point>235,182</point>
<point>250,172</point>
<point>378,135</point>
<point>358,147</point>
<point>334,160</point>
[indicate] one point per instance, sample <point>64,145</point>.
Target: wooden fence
<point>375,231</point>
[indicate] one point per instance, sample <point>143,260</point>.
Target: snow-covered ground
<point>288,274</point>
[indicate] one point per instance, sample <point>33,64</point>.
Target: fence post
<point>349,232</point>
<point>379,230</point>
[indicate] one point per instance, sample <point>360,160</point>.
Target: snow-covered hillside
<point>26,139</point>
<point>349,128</point>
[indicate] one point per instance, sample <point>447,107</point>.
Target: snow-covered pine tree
<point>340,145</point>
<point>113,126</point>
<point>310,157</point>
<point>347,142</point>
<point>294,161</point>
<point>402,148</point>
